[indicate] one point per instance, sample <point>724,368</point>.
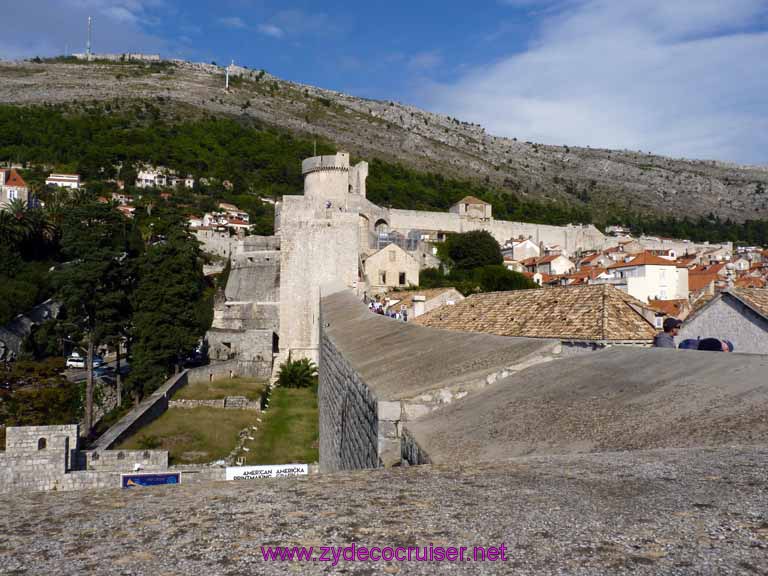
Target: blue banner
<point>141,480</point>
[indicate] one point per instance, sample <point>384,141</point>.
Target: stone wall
<point>349,425</point>
<point>228,403</point>
<point>216,242</point>
<point>252,349</point>
<point>42,458</point>
<point>150,408</point>
<point>377,373</point>
<point>728,318</point>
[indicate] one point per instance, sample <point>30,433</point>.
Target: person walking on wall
<point>666,339</point>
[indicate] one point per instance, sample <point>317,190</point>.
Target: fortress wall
<point>315,251</point>
<point>571,238</point>
<point>150,408</point>
<point>348,414</point>
<point>417,220</point>
<point>377,373</point>
<point>216,242</point>
<point>253,350</point>
<point>254,277</point>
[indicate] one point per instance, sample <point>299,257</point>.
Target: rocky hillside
<point>392,131</point>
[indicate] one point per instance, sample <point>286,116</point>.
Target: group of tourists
<point>379,307</point>
<point>666,339</point>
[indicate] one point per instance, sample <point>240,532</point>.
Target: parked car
<point>75,361</point>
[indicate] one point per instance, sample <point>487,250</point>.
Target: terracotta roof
<point>14,179</point>
<point>645,259</point>
<point>471,200</point>
<point>597,312</point>
<point>750,282</point>
<point>698,282</point>
<point>708,269</point>
<point>755,298</point>
<point>669,307</point>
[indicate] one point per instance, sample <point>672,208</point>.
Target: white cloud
<point>682,78</point>
<point>234,22</point>
<point>271,30</point>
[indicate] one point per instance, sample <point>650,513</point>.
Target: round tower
<point>326,179</point>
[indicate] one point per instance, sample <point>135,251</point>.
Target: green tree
<point>91,283</point>
<point>471,250</point>
<point>167,322</point>
<point>499,279</point>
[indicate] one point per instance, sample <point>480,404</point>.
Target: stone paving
<point>694,511</point>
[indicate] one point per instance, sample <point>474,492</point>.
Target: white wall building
<point>647,277</point>
<point>71,181</point>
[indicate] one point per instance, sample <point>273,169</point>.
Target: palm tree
<point>16,225</point>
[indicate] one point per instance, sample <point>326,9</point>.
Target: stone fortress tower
<point>320,236</point>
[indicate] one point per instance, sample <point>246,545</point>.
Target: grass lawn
<point>289,431</point>
<point>194,436</point>
<point>248,387</point>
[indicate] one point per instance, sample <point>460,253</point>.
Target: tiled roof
<point>14,179</point>
<point>645,259</point>
<point>755,298</point>
<point>597,312</point>
<point>698,282</point>
<point>750,282</point>
<point>669,307</point>
<point>472,200</point>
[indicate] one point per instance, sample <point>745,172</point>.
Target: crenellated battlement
<point>338,161</point>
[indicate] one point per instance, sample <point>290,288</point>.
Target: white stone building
<point>71,181</point>
<point>647,277</point>
<point>391,267</point>
<point>12,187</point>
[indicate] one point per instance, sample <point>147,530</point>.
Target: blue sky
<point>675,77</point>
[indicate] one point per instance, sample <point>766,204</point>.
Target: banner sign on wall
<point>140,480</point>
<point>256,472</point>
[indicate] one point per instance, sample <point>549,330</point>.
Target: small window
<point>382,277</point>
<point>120,456</point>
<point>401,279</point>
<point>42,443</point>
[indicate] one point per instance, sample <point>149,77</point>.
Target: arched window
<point>42,443</point>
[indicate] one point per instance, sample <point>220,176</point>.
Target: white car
<point>75,361</point>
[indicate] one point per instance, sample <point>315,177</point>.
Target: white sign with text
<point>275,471</point>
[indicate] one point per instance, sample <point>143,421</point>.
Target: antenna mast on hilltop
<point>90,34</point>
<point>226,81</point>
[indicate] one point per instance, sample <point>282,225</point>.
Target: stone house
<point>391,267</point>
<point>12,187</point>
<point>521,250</point>
<point>739,315</point>
<point>647,276</point>
<point>71,181</point>
<point>553,265</point>
<point>471,207</point>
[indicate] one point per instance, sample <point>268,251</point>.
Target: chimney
<point>418,305</point>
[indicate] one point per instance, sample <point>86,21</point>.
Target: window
<point>12,194</point>
<point>382,278</point>
<point>42,443</point>
<point>401,279</point>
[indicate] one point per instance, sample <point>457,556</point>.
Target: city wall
<point>148,410</point>
<point>378,373</point>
